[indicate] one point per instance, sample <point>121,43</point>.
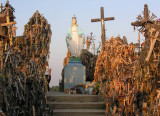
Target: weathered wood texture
<point>130,81</point>
<point>23,66</point>
<point>102,19</point>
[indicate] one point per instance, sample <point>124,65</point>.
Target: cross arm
<point>105,19</point>
<point>109,18</point>
<point>95,20</point>
<point>137,23</point>
<point>10,23</point>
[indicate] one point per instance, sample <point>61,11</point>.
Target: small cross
<point>91,37</point>
<point>1,7</point>
<point>102,19</point>
<point>91,34</point>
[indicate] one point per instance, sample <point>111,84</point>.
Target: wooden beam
<point>95,20</point>
<point>102,12</point>
<point>109,18</point>
<point>153,41</point>
<point>7,24</point>
<point>4,36</point>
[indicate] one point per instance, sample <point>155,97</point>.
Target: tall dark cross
<point>102,19</point>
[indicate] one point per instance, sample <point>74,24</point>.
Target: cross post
<point>146,13</point>
<point>102,19</point>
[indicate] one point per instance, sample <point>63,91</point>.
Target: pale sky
<point>59,14</point>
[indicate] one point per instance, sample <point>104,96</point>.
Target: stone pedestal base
<point>74,73</point>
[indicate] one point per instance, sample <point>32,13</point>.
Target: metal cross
<point>102,19</point>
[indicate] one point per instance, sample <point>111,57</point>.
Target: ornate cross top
<point>149,27</point>
<point>102,19</point>
<point>146,19</point>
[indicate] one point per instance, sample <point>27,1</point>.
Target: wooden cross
<point>145,19</point>
<point>102,19</point>
<point>1,7</point>
<point>145,23</point>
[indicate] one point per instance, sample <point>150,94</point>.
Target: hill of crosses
<point>128,74</point>
<point>23,61</point>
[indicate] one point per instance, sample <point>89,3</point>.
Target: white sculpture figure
<point>75,39</point>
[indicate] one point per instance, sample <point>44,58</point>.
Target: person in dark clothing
<point>48,80</point>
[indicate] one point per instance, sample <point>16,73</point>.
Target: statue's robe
<point>75,41</point>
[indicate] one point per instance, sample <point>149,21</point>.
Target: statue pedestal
<point>74,73</point>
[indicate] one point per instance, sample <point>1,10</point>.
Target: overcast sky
<point>59,14</point>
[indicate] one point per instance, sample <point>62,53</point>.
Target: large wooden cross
<point>102,19</point>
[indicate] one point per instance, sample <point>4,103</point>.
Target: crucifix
<point>102,19</point>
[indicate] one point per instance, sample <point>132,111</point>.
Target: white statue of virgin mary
<point>75,39</point>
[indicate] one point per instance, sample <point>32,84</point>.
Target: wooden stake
<point>153,41</point>
<point>33,108</point>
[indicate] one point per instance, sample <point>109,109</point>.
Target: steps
<point>76,105</point>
